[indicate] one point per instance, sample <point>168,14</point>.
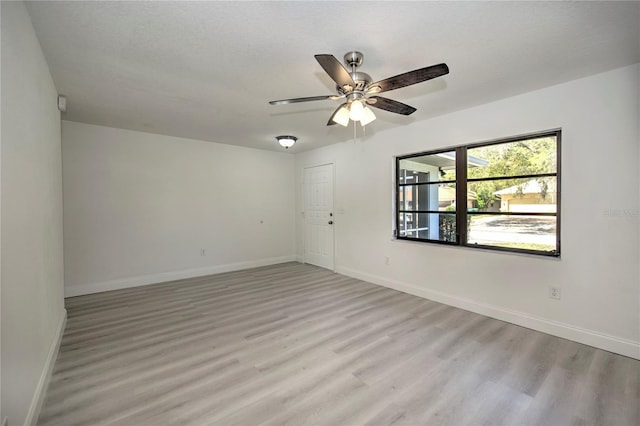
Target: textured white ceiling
<point>206,70</point>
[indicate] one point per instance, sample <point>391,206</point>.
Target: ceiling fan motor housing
<point>362,80</point>
<point>353,60</point>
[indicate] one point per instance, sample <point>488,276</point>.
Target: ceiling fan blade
<point>390,105</point>
<point>307,99</point>
<point>408,78</point>
<point>336,71</point>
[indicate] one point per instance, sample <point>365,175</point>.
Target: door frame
<point>304,209</point>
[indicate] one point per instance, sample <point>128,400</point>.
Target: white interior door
<point>319,217</point>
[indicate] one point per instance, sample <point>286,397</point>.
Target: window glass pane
<point>528,195</point>
<point>509,203</point>
<point>523,232</point>
<point>430,226</point>
<point>428,168</point>
<point>436,197</point>
<point>526,157</point>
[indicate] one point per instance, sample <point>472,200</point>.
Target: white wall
<point>140,207</point>
<point>31,216</point>
<point>1,412</point>
<point>598,271</point>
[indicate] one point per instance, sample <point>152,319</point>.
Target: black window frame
<point>461,183</point>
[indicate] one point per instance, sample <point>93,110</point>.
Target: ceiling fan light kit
<point>358,90</point>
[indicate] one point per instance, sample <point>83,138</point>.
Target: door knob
<point>330,222</point>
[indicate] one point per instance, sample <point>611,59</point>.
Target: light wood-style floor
<point>296,344</point>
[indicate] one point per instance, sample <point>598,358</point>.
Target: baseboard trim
<point>141,280</point>
<point>596,339</point>
<point>45,375</point>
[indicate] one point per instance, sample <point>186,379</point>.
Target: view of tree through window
<point>509,189</point>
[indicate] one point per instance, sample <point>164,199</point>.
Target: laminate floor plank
<point>296,344</point>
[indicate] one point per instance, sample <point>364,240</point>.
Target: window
<point>501,195</point>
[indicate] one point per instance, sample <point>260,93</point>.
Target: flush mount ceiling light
<point>286,141</point>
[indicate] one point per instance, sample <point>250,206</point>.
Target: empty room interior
<point>329,213</point>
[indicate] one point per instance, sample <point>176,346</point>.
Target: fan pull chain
<point>355,129</point>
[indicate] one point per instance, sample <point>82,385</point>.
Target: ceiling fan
<point>360,92</point>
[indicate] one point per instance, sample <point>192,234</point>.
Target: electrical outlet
<point>387,261</point>
<point>202,252</point>
<point>554,293</point>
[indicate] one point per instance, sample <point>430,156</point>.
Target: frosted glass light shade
<point>341,116</point>
<point>367,116</point>
<point>286,141</point>
<point>356,111</point>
